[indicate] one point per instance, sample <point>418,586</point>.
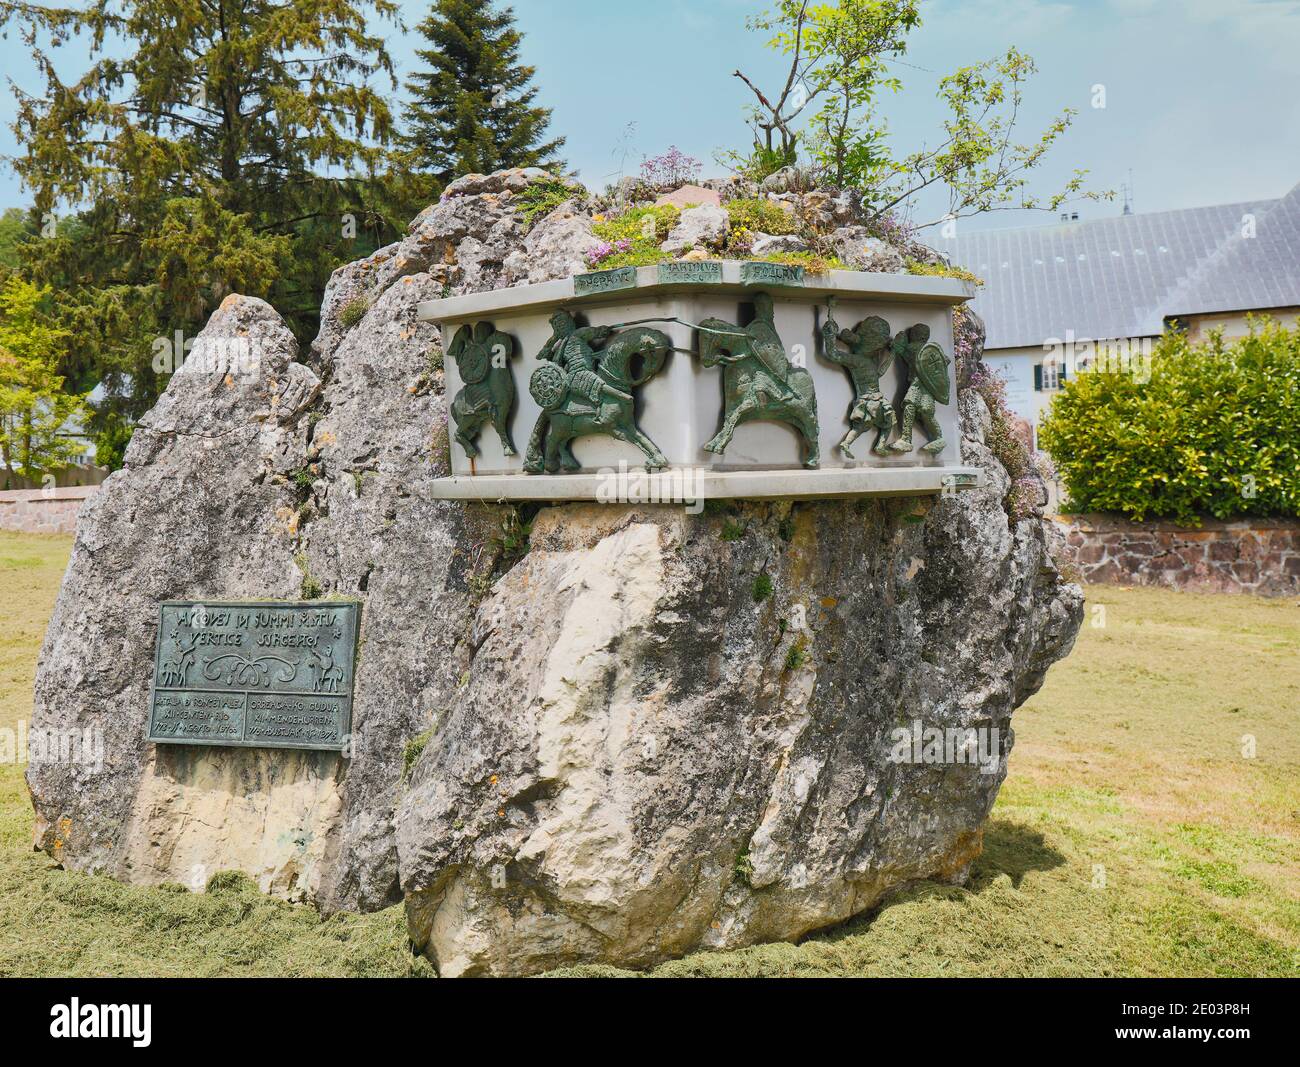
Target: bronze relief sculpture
<point>482,354</point>
<point>870,355</point>
<point>758,380</point>
<point>584,386</point>
<point>586,377</point>
<point>927,367</point>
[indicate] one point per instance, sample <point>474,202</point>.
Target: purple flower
<point>673,168</point>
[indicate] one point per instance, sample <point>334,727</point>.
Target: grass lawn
<point>1138,833</point>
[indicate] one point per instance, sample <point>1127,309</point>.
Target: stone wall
<point>1256,556</point>
<point>41,510</point>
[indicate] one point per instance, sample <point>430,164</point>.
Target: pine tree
<point>472,111</point>
<point>208,148</point>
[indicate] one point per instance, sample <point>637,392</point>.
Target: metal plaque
<point>692,272</point>
<point>770,274</point>
<point>604,281</point>
<point>257,675</point>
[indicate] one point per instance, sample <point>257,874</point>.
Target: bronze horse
<point>628,359</point>
<point>758,380</point>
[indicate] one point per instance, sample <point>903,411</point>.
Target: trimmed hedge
<point>1215,430</point>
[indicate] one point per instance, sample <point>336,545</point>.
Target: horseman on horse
<point>758,381</point>
<point>584,386</point>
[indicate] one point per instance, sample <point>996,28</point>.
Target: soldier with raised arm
<point>572,349</point>
<point>868,358</point>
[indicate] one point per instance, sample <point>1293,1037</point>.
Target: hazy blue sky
<point>1202,96</point>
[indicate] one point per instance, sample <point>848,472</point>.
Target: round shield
<point>547,386</point>
<point>646,363</point>
<point>932,369</point>
<point>474,363</point>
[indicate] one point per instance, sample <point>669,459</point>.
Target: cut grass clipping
<point>1133,836</point>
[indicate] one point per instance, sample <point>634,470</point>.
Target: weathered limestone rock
<point>554,248</point>
<point>861,251</point>
<point>688,195</point>
<point>824,211</point>
<point>697,227</point>
<point>255,471</point>
<point>657,762</point>
<point>199,511</point>
<point>628,747</point>
<point>765,243</point>
<point>786,180</point>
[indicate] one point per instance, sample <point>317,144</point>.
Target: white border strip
<point>676,484</point>
<point>851,284</point>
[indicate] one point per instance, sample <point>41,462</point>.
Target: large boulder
<point>648,757</point>
<point>263,471</point>
<point>636,738</point>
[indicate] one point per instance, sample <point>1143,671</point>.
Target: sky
<point>1201,97</point>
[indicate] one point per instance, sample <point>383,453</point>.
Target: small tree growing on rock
<point>839,55</point>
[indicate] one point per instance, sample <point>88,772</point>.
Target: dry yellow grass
<point>1133,835</point>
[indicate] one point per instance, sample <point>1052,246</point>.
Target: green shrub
<point>732,530</point>
<point>412,751</point>
<point>942,270</point>
<point>541,197</point>
<point>353,311</point>
<point>756,214</point>
<point>632,238</point>
<point>812,262</point>
<point>764,161</point>
<point>1215,430</point>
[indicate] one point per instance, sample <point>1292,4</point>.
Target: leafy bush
<point>1215,429</point>
<point>758,215</point>
<point>632,238</point>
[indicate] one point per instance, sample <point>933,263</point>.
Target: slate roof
<point>1122,276</point>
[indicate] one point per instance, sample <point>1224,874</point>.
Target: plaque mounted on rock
<point>254,675</point>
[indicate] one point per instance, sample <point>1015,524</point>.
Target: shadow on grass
<point>1013,850</point>
<point>1010,849</point>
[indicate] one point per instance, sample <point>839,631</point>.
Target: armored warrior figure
<point>584,386</point>
<point>482,356</point>
<point>571,378</point>
<point>868,358</point>
<point>927,367</point>
<point>758,380</point>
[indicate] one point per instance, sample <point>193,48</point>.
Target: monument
<point>720,370</point>
<point>360,620</point>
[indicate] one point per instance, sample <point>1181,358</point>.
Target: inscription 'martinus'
<point>268,675</point>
